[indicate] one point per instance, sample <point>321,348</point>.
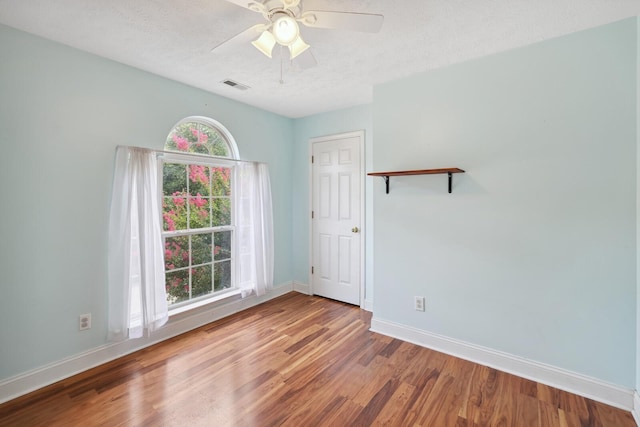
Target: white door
<point>337,181</point>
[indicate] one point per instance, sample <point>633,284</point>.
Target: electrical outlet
<point>418,303</point>
<point>84,322</point>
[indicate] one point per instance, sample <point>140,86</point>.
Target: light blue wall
<point>336,122</point>
<point>62,113</point>
<point>638,207</point>
<point>534,253</point>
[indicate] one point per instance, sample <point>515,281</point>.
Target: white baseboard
<point>368,305</point>
<point>33,380</point>
<point>546,374</point>
<point>636,407</point>
<point>303,288</point>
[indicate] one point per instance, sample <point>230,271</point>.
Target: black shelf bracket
<point>386,181</point>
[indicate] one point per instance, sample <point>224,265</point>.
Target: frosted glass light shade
<point>297,47</point>
<point>265,43</point>
<point>285,30</point>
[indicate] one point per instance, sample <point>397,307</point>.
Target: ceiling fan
<point>282,27</point>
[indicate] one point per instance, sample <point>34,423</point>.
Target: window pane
<point>221,211</point>
<point>174,179</point>
<point>199,139</point>
<point>199,216</point>
<point>176,252</point>
<point>220,181</point>
<point>174,212</point>
<point>222,249</point>
<point>199,180</point>
<point>201,280</point>
<point>218,145</point>
<point>222,275</point>
<point>202,138</point>
<point>200,248</point>
<point>177,139</point>
<point>177,284</point>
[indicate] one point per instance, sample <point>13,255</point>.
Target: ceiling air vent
<point>236,85</point>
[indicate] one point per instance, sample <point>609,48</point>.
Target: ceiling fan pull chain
<point>281,66</point>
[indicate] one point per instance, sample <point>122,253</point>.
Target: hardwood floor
<point>300,361</point>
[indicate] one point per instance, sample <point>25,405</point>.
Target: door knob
<point>355,229</point>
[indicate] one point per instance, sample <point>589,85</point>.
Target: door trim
<point>360,134</point>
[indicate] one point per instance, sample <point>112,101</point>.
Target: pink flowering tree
<point>196,197</point>
<point>197,138</point>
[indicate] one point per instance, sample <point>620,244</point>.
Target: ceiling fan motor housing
<point>291,8</point>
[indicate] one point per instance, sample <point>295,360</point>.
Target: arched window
<point>198,204</point>
<point>216,227</point>
<point>201,135</point>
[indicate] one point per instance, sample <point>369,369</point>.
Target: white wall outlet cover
<point>84,321</point>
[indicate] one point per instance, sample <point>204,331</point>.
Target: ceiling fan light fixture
<point>265,43</point>
<point>297,47</point>
<point>285,29</point>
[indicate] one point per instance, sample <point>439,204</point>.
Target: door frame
<point>360,134</point>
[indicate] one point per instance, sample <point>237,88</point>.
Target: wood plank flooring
<point>300,361</point>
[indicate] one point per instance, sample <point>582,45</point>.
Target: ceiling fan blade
<point>365,22</point>
<point>306,60</point>
<point>245,36</point>
<point>289,4</point>
<point>253,5</point>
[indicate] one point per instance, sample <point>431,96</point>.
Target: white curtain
<point>137,295</point>
<point>255,229</point>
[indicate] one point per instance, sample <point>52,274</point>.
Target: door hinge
<point>311,270</point>
<point>311,214</point>
<point>311,159</point>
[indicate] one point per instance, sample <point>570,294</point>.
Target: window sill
<point>202,303</point>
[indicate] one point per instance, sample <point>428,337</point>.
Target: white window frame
<point>230,162</point>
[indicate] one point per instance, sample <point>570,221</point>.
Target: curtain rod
<point>191,155</point>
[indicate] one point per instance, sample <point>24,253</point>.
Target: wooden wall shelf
<point>386,175</point>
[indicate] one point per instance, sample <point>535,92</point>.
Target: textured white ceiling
<point>173,38</point>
